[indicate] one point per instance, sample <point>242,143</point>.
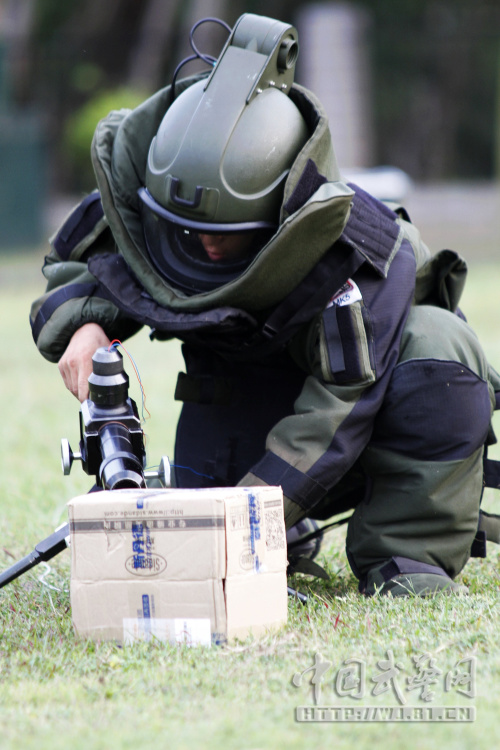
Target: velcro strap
<point>491,473</point>
<point>398,565</point>
<point>307,566</point>
<point>490,524</point>
<point>478,548</point>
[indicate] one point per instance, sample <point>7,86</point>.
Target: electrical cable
<point>114,345</point>
<point>208,59</point>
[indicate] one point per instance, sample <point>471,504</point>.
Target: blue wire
<point>188,468</point>
<point>177,466</point>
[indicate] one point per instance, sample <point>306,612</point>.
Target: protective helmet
<point>222,154</point>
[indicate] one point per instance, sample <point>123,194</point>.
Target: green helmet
<point>220,158</point>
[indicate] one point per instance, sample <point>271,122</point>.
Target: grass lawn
<point>58,692</point>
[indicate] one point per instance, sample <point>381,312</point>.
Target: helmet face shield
<point>197,258</point>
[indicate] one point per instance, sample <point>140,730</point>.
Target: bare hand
<point>75,364</point>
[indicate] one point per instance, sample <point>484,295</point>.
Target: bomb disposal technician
<point>323,344</point>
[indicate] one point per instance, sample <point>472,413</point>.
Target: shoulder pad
<point>81,228</point>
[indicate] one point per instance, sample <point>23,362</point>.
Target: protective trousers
<point>424,463</point>
<point>416,488</point>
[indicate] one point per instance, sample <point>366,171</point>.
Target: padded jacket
<point>333,288</point>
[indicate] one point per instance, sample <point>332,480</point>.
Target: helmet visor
<point>193,257</point>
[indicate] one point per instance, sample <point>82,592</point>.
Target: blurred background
<point>412,89</point>
<point>411,85</point>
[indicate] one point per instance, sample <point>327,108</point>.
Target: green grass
<point>59,692</point>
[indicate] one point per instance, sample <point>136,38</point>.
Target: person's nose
<point>211,239</point>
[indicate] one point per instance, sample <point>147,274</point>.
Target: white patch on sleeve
<point>346,295</point>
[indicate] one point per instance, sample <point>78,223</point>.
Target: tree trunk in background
<point>157,36</point>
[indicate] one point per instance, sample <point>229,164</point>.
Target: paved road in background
<point>463,216</point>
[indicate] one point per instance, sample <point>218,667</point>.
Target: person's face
<point>227,247</point>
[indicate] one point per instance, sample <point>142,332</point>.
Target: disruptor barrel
<point>111,437</point>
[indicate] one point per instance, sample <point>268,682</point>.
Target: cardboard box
<point>191,566</point>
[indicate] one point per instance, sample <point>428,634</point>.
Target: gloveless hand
<point>75,364</point>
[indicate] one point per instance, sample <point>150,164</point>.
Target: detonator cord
<point>144,410</point>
